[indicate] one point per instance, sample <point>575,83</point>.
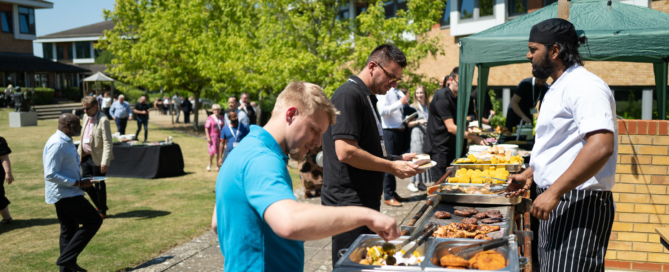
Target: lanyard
<point>218,122</point>
<point>533,99</point>
<point>234,134</point>
<point>378,124</point>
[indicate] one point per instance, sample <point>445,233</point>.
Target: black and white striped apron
<point>576,234</point>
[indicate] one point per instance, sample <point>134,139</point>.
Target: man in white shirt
<point>176,105</point>
<point>574,156</point>
<point>390,109</point>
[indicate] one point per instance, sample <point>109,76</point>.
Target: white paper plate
<point>432,164</point>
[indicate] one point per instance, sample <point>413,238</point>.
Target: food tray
<point>506,226</point>
<point>461,198</point>
<point>512,168</point>
<point>358,250</point>
<point>440,248</point>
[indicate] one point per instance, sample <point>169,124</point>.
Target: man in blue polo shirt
<point>261,225</point>
<point>231,134</point>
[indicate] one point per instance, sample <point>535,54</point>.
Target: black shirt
<point>344,184</point>
<point>444,106</point>
<point>141,107</point>
<point>527,101</point>
<point>4,150</point>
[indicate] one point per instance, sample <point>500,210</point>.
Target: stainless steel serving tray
<point>512,168</point>
<point>506,226</point>
<point>358,251</point>
<point>440,248</point>
<point>461,198</point>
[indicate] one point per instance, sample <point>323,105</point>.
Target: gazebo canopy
<point>99,76</point>
<point>619,32</point>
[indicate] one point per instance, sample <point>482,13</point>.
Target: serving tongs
<point>428,233</point>
<point>475,248</point>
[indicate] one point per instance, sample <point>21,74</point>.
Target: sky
<point>68,14</point>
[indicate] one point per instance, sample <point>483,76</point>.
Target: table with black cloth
<point>146,161</point>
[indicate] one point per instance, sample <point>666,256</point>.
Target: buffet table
<point>146,161</point>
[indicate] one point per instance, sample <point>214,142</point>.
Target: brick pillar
<point>533,5</point>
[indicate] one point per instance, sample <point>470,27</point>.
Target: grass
<point>146,217</point>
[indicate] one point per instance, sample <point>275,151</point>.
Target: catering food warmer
<point>515,226</point>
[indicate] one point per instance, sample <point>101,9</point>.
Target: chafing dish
<point>462,198</point>
<point>350,261</point>
<point>440,246</point>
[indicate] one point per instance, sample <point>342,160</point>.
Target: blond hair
<point>307,97</point>
<point>216,107</point>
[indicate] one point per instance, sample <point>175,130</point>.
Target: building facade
<point>18,65</point>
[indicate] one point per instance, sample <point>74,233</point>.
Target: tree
<point>155,44</point>
<point>259,46</point>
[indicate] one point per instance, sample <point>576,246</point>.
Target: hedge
<point>44,96</point>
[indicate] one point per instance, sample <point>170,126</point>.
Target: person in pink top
<point>213,130</point>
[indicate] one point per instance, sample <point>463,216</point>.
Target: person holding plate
<point>231,135</point>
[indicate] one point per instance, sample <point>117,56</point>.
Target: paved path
<point>204,254</point>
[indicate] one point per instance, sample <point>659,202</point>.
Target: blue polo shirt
<point>233,134</point>
<point>256,178</point>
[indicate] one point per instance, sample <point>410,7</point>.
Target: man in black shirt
<point>354,158</point>
<point>141,113</point>
<point>487,111</point>
<point>529,92</point>
<point>441,129</point>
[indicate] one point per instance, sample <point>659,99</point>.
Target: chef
<point>574,156</point>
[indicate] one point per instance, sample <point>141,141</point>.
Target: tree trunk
<point>196,97</point>
<point>259,113</point>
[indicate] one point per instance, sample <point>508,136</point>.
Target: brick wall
<point>613,73</point>
<point>641,194</point>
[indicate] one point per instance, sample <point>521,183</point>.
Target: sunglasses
<point>392,79</point>
<point>86,109</point>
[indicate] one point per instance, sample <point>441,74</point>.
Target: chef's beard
<point>296,154</point>
<point>544,68</point>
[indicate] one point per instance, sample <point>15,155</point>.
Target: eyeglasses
<point>86,109</point>
<point>392,79</point>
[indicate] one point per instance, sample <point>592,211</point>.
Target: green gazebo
<point>615,32</point>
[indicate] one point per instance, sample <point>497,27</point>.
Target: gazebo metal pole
<point>660,70</point>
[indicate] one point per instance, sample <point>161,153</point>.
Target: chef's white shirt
<point>390,108</point>
<point>578,103</point>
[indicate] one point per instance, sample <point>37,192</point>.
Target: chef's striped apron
<point>576,234</point>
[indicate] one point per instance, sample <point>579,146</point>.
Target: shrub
<point>71,93</point>
<point>44,96</point>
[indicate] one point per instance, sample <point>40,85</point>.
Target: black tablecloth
<point>147,162</point>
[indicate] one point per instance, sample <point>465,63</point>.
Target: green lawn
<point>146,217</point>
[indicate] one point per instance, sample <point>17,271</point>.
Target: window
<point>466,9</point>
<point>42,80</point>
<point>60,53</point>
<point>83,50</point>
<point>446,19</point>
<point>517,7</point>
<point>393,6</point>
<point>27,20</point>
<point>476,9</point>
<point>6,21</point>
<point>486,7</point>
<point>47,50</point>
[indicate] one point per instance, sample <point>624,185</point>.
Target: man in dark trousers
<point>187,107</point>
<point>141,113</point>
<point>574,156</point>
<point>95,151</point>
<point>355,158</point>
<point>63,187</point>
<point>441,128</point>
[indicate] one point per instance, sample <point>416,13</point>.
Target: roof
<point>94,30</point>
<point>621,32</point>
<point>29,63</point>
<point>98,77</point>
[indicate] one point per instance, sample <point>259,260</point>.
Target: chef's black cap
<point>553,30</point>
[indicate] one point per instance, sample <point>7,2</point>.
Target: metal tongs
<point>466,250</point>
<point>414,236</point>
<point>432,227</point>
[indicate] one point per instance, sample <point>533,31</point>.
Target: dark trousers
<point>345,240</point>
<point>142,121</point>
<point>72,212</point>
<point>394,140</point>
<point>121,123</point>
<point>443,160</point>
<point>98,191</point>
<point>106,112</point>
<point>186,117</point>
